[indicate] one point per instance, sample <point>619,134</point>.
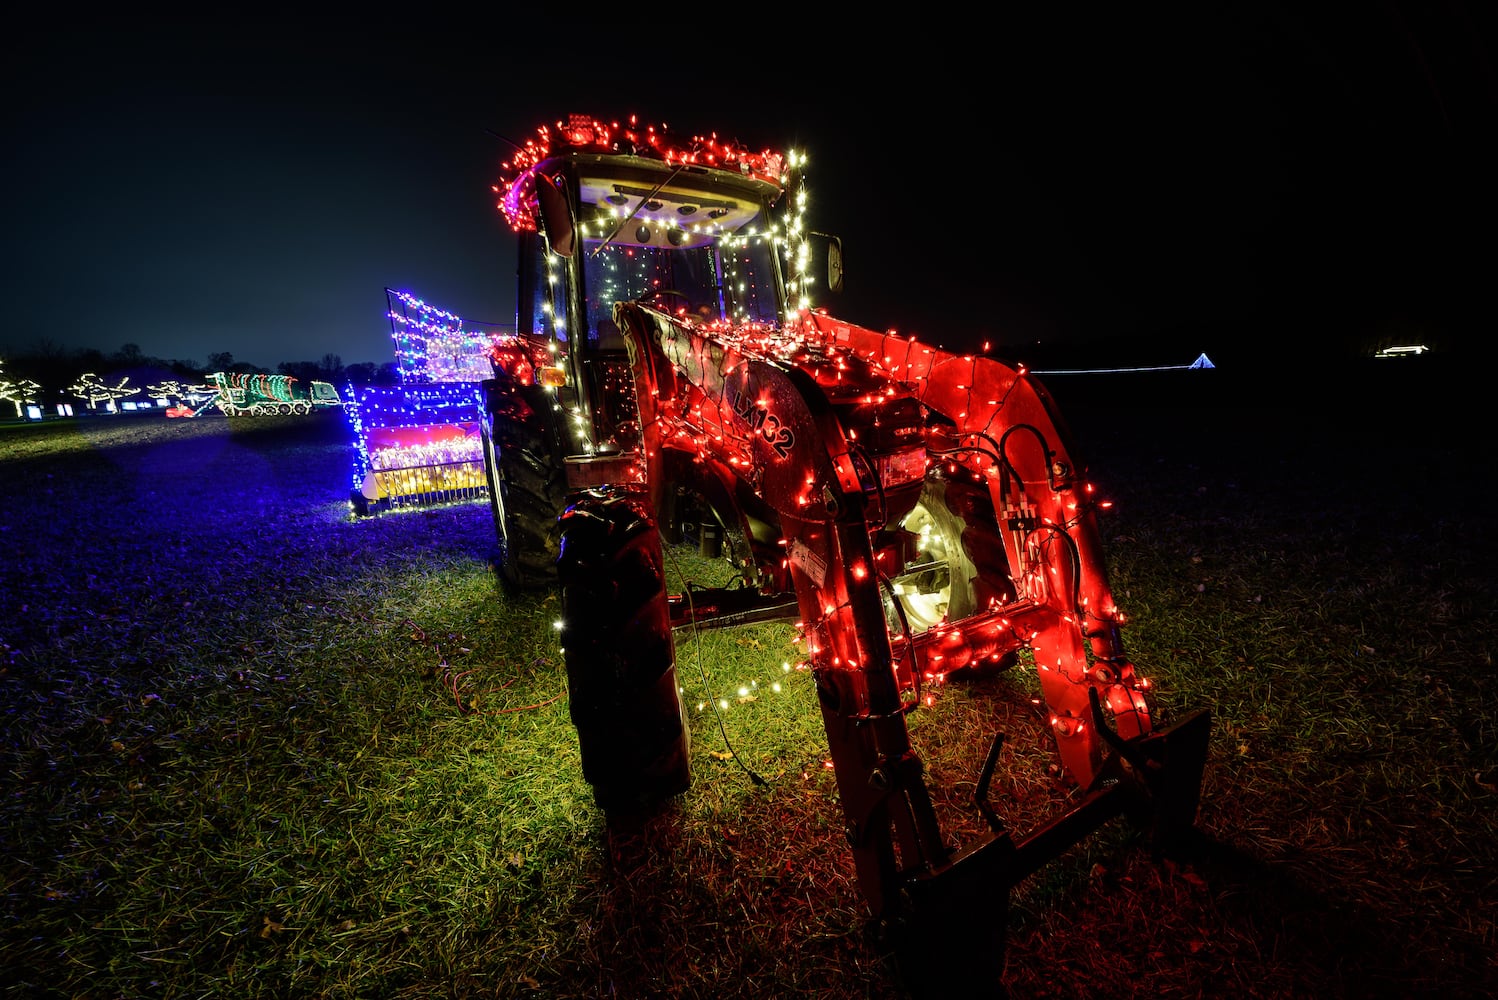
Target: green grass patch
<point>254,746</point>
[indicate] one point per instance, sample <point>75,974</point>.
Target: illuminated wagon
<point>252,394</point>
<point>418,444</point>
<point>416,447</point>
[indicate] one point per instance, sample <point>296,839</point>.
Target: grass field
<point>256,747</point>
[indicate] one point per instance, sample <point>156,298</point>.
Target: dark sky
<point>1228,180</point>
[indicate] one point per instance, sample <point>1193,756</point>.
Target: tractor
<point>918,513</point>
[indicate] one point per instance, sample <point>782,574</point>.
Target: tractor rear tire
<point>621,671</point>
<point>523,462</point>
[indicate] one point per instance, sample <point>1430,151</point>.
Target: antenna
<point>509,142</point>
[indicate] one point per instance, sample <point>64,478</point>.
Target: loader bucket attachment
<point>949,940</point>
<point>1169,764</point>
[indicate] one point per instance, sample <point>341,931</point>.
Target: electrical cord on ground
<point>702,671</point>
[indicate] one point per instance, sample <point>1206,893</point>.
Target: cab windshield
<point>704,256</point>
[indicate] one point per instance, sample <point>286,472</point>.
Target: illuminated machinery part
<point>948,573</point>
<point>925,586</point>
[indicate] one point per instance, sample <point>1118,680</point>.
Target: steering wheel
<point>663,292</point>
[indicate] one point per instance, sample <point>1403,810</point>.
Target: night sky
<point>1138,183</point>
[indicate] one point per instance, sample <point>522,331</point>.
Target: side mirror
<point>556,216</point>
<point>835,264</point>
<point>834,259</point>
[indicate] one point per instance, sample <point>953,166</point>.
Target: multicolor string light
<point>434,345</point>
<point>416,445</point>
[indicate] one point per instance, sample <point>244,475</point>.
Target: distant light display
<point>172,390</point>
<point>93,390</point>
<point>18,392</point>
<point>254,394</point>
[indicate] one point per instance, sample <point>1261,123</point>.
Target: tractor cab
<point>702,231</point>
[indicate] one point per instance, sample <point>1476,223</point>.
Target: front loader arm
<point>1004,430</point>
<point>768,409</point>
<point>776,425</point>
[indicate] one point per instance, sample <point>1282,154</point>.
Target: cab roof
<point>581,135</point>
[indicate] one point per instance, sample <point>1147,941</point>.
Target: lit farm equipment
<point>252,394</point>
<point>417,444</point>
<point>918,513</point>
<point>415,447</point>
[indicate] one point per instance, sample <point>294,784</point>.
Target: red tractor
<point>918,513</point>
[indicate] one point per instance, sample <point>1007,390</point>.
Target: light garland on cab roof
<point>584,133</point>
